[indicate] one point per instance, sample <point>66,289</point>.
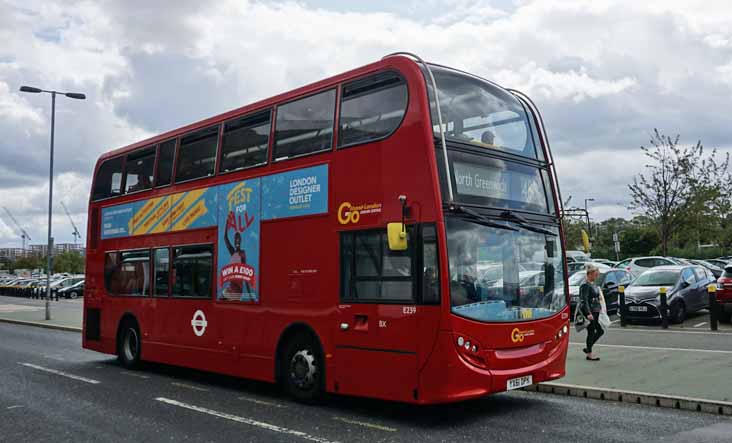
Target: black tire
<point>129,344</point>
<point>678,313</point>
<point>302,369</point>
<point>73,295</point>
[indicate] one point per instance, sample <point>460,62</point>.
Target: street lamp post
<point>77,96</point>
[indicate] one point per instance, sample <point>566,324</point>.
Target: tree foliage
<point>676,186</point>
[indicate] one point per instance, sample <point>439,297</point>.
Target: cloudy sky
<point>604,74</point>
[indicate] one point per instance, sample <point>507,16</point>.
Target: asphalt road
<point>52,390</point>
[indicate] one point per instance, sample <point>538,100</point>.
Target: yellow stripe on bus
<point>197,211</point>
<point>158,220</point>
<point>140,217</point>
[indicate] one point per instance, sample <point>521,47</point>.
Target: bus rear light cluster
<point>469,349</point>
<point>562,332</point>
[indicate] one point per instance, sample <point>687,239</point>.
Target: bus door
<point>376,332</point>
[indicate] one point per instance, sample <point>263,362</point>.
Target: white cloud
<point>604,73</point>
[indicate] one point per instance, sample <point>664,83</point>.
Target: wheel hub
<point>303,369</point>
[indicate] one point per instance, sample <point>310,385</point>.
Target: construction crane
<point>19,230</point>
<point>76,234</point>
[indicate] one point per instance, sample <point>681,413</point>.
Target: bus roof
<point>391,61</point>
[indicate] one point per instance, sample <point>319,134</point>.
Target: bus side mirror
<point>397,234</point>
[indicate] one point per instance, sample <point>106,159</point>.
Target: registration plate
<point>520,382</point>
<point>638,308</point>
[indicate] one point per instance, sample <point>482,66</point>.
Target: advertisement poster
<point>115,220</point>
<point>238,241</point>
<point>294,193</point>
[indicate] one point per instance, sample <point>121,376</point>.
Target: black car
<point>74,291</point>
<point>686,291</point>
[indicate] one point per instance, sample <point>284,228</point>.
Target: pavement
<point>685,360</point>
<point>52,390</point>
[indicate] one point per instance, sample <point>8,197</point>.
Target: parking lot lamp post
<point>77,96</point>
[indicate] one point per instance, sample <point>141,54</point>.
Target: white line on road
<point>132,374</point>
<point>183,385</point>
<point>61,373</point>
<point>248,421</point>
<point>13,407</point>
<point>649,348</point>
<point>366,424</point>
<point>699,325</point>
<point>261,402</point>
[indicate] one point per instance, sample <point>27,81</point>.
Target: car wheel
<point>302,370</point>
<point>128,344</point>
<point>73,295</point>
<point>678,312</point>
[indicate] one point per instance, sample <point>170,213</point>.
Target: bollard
<point>664,309</point>
<point>713,307</point>
<point>621,306</point>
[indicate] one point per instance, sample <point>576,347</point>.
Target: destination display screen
<point>504,184</point>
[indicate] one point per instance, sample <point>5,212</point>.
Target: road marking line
<point>700,324</point>
<point>13,407</point>
<point>54,357</point>
<point>61,373</point>
<point>366,424</point>
<point>650,348</point>
<point>248,421</point>
<point>132,374</point>
<point>183,385</point>
<point>261,402</point>
<point>720,333</point>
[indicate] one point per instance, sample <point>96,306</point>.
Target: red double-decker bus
<point>390,232</point>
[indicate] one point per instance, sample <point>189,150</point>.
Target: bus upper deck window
<point>245,142</point>
<point>305,125</point>
<point>139,170</point>
<point>165,163</point>
<point>197,154</point>
<point>372,108</point>
<point>108,181</point>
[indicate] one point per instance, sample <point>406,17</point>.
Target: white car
<point>639,265</point>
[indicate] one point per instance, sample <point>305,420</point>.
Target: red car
<point>724,294</point>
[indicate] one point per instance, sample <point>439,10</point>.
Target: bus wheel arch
<point>129,341</point>
<point>300,363</point>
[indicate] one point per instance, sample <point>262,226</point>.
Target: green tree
<point>675,186</point>
<point>71,262</point>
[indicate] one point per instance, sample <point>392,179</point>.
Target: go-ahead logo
<point>517,335</point>
<point>349,213</point>
<point>199,323</point>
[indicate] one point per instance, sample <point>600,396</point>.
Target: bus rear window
<point>305,126</point>
<point>108,182</point>
<point>197,154</point>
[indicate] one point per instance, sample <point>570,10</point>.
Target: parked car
<point>686,288</point>
<point>605,261</point>
<point>573,256</point>
<point>714,269</point>
<point>638,265</point>
<point>719,262</point>
<point>74,291</point>
<point>609,281</point>
<point>724,294</point>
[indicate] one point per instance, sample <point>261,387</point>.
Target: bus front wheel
<point>302,369</point>
<point>128,344</point>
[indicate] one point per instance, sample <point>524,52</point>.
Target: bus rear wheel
<point>301,369</point>
<point>128,344</point>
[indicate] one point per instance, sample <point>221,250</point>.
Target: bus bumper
<point>449,377</point>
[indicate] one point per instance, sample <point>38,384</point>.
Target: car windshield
<point>577,278</point>
<point>488,279</point>
<point>657,278</point>
<point>480,113</point>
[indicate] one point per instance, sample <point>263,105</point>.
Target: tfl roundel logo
<point>199,323</point>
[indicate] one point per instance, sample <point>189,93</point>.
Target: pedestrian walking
<point>591,307</point>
